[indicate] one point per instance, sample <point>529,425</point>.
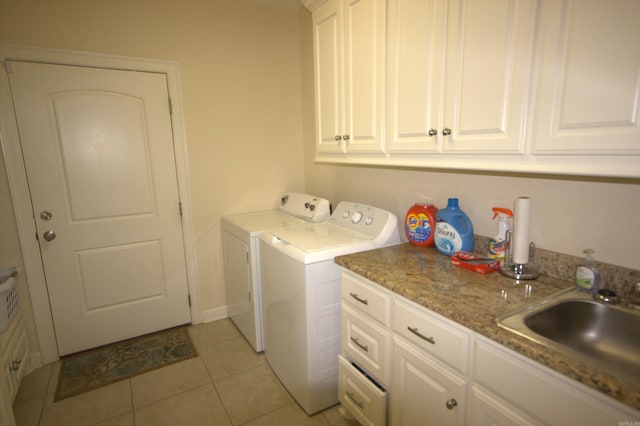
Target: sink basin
<point>573,322</point>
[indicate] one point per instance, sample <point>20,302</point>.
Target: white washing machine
<point>240,233</point>
<point>301,296</point>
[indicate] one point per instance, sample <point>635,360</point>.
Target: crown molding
<point>313,4</point>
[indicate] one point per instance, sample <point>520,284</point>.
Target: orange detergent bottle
<point>420,224</point>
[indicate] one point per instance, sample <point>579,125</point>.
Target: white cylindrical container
<point>521,225</point>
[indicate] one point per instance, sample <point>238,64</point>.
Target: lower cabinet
<point>424,392</point>
<point>14,357</point>
<point>440,373</point>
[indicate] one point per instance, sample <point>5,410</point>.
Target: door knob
<point>49,235</point>
<point>451,404</point>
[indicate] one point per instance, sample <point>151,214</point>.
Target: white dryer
<point>301,296</point>
<point>240,233</point>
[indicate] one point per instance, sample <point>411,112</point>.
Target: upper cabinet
<point>589,79</point>
<point>458,75</point>
<point>349,61</point>
<point>533,86</point>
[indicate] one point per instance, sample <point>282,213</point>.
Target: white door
<point>99,157</point>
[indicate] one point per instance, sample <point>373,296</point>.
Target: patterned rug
<point>101,366</point>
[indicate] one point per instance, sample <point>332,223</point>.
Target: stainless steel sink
<point>573,322</point>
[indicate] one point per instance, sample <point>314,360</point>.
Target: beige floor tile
<point>90,407</point>
<point>168,381</point>
<point>290,415</point>
<point>53,378</point>
<point>338,416</point>
<point>211,333</point>
<point>229,357</point>
<point>251,394</point>
<point>35,384</point>
<point>200,406</point>
<point>28,412</point>
<point>122,420</point>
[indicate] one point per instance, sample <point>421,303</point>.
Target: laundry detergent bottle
<point>454,230</point>
<point>420,224</point>
<point>498,245</point>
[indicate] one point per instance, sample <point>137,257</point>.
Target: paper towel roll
<point>520,240</point>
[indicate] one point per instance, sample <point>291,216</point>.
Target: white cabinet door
<point>588,99</point>
<point>487,409</point>
<point>458,75</point>
<point>423,391</point>
<point>414,74</point>
<point>327,49</point>
<point>349,49</point>
<point>488,70</point>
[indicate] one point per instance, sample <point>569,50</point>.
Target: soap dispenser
<point>587,275</point>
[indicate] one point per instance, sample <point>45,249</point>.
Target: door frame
<point>19,188</point>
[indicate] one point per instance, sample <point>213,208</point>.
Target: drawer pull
<point>360,345</point>
<point>417,333</point>
<point>355,401</point>
<point>359,299</point>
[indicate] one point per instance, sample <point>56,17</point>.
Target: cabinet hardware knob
<point>360,345</point>
<point>15,364</point>
<point>422,336</point>
<point>338,137</point>
<point>346,137</point>
<point>446,131</point>
<point>355,401</point>
<point>451,404</point>
<point>432,132</point>
<point>359,299</point>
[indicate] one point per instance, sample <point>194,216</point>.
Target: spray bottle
<point>498,245</point>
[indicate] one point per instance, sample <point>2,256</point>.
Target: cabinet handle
<point>360,345</point>
<point>432,132</point>
<point>346,137</point>
<point>451,404</point>
<point>15,364</point>
<point>355,401</point>
<point>417,333</point>
<point>338,138</point>
<point>359,299</point>
<point>446,131</point>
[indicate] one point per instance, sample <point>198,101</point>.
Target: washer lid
<point>320,236</point>
<point>255,223</point>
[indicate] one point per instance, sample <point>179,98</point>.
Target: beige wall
<point>240,79</point>
<point>569,214</point>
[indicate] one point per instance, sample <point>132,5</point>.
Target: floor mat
<point>101,366</point>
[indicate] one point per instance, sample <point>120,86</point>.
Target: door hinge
<point>247,253</point>
<point>189,297</point>
<point>170,107</point>
<point>180,207</point>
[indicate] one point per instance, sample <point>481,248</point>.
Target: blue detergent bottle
<point>454,230</point>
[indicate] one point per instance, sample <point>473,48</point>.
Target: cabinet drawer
<point>368,344</point>
<point>364,400</point>
<point>445,342</point>
<point>366,297</point>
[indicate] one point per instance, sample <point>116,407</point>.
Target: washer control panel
<point>312,208</point>
<point>365,219</point>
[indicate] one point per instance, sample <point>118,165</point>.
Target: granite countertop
<point>475,300</point>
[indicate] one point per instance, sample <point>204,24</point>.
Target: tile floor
<point>228,384</point>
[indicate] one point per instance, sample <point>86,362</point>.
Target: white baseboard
<point>214,314</point>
